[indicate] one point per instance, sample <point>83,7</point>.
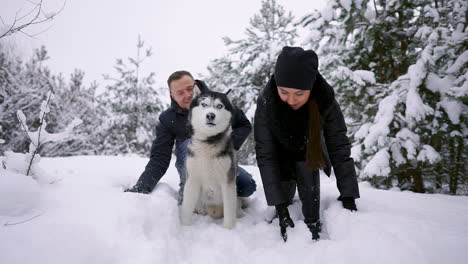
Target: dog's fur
<point>211,163</point>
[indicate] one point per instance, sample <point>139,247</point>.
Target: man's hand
<point>284,220</point>
<point>137,189</point>
<point>348,203</point>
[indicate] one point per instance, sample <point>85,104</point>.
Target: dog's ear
<point>196,90</point>
<point>226,93</point>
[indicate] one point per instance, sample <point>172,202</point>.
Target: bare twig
<point>17,223</point>
<point>40,32</point>
<point>31,36</point>
<point>39,135</point>
<point>36,11</point>
<point>30,12</point>
<point>14,29</point>
<point>52,182</point>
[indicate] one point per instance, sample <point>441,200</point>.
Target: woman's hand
<point>284,220</point>
<point>349,203</point>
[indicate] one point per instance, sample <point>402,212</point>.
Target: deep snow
<point>85,217</point>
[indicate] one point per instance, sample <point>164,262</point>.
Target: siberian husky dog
<point>211,161</point>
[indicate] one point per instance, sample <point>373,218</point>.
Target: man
<point>172,128</point>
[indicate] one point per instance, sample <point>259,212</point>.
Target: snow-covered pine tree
<point>23,85</point>
<point>425,112</point>
<point>132,107</point>
<point>72,99</point>
<point>252,58</point>
<point>417,50</point>
<point>250,61</point>
<point>440,75</point>
<point>337,34</point>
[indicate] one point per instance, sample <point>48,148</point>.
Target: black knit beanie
<point>296,68</point>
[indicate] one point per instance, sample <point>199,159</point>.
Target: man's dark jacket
<point>172,127</point>
<point>274,159</point>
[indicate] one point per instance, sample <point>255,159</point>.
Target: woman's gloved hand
<point>284,220</point>
<point>348,203</point>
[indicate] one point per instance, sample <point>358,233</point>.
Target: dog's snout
<point>210,116</point>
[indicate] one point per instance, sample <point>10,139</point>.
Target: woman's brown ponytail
<point>314,156</point>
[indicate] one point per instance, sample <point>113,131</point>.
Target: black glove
<point>137,189</point>
<point>348,203</point>
<point>284,219</point>
<point>315,229</point>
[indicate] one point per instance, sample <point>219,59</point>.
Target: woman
<point>299,129</point>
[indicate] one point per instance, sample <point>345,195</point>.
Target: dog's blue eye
<point>219,106</point>
<point>203,105</point>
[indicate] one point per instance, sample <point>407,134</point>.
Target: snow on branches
<point>25,163</point>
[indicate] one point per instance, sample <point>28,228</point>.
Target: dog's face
<point>210,114</point>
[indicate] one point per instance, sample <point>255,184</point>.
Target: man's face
<point>182,91</point>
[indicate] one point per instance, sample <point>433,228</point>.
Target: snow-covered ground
<point>85,217</point>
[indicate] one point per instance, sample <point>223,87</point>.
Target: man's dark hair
<point>177,76</point>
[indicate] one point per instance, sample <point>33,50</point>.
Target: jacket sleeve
<point>267,157</point>
<point>339,151</point>
<point>160,157</point>
<point>241,128</point>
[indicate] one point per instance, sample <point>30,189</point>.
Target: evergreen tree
<point>337,34</point>
<point>417,53</point>
<point>250,61</point>
<point>73,99</point>
<point>132,107</point>
<point>24,85</point>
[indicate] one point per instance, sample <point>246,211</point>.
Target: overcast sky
<point>92,34</point>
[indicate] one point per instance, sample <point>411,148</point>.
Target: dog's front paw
<point>229,224</point>
<point>185,221</point>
